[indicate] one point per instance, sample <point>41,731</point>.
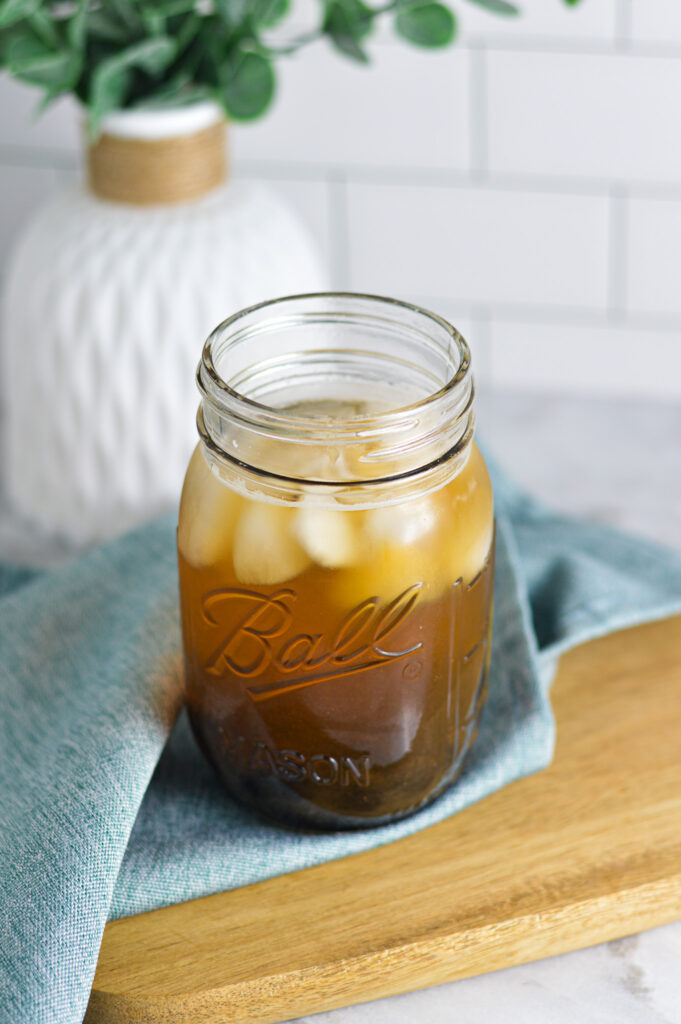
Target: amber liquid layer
<point>334,723</point>
<point>347,693</point>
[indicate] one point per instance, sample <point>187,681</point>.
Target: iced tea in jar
<point>336,559</point>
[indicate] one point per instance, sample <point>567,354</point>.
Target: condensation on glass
<point>336,559</point>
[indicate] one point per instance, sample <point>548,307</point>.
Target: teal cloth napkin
<point>106,809</point>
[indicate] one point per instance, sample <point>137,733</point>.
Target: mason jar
<point>335,541</point>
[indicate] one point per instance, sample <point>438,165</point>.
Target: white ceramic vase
<point>106,308</point>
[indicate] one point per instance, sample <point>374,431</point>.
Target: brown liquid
<point>336,667</point>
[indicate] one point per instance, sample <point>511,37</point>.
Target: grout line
<point>618,210</point>
<point>661,49</point>
<point>500,181</point>
<point>539,44</point>
<point>481,345</point>
<point>367,174</point>
<point>525,42</point>
<point>530,313</point>
<point>361,173</point>
<point>21,156</point>
<point>563,42</point>
<point>558,316</point>
<point>478,113</point>
<point>337,205</point>
<point>379,175</point>
<point>623,38</point>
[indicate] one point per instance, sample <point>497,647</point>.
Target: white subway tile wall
<point>479,244</point>
<point>408,109</point>
<point>526,183</point>
<point>654,265</point>
<point>544,19</point>
<point>656,21</point>
<point>577,358</point>
<point>593,116</point>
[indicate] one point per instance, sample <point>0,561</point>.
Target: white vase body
<point>106,308</point>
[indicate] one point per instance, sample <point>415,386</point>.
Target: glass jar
<point>336,559</point>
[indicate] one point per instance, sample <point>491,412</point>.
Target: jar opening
<point>383,381</point>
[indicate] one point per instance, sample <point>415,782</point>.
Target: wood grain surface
<point>586,851</point>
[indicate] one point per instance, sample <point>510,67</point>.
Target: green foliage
<point>347,23</point>
<point>498,6</point>
<point>115,54</point>
<point>248,86</point>
<point>113,77</point>
<point>426,24</point>
<point>12,11</point>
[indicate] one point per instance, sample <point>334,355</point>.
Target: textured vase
<point>106,307</point>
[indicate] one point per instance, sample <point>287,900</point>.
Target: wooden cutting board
<point>586,851</point>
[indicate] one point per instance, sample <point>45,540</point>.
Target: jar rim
<point>313,424</point>
<point>408,441</point>
<point>285,480</point>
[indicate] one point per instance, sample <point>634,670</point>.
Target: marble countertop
<point>633,980</point>
<point>618,462</point>
<point>615,461</point>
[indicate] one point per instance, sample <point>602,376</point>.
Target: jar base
<point>291,811</point>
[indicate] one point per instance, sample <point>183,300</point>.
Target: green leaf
<point>572,3</point>
<point>169,8</point>
<point>101,24</point>
<point>76,25</point>
<point>347,22</point>
<point>501,6</point>
<point>107,93</point>
<point>187,31</point>
<point>210,56</point>
<point>179,91</point>
<point>127,13</point>
<point>12,11</point>
<point>115,21</point>
<point>249,89</point>
<point>233,12</point>
<point>268,12</point>
<point>428,24</point>
<point>358,14</point>
<point>25,49</point>
<point>45,28</point>
<point>111,79</point>
<point>30,60</point>
<point>154,22</point>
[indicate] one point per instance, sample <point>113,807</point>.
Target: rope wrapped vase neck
<point>147,158</point>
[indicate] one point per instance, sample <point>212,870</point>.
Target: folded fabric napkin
<point>103,815</point>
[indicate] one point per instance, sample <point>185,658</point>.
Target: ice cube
<point>208,515</point>
<point>397,549</point>
<point>468,550</point>
<point>469,521</point>
<point>265,548</point>
<point>326,535</point>
<point>298,461</point>
<point>433,540</point>
<point>405,523</point>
